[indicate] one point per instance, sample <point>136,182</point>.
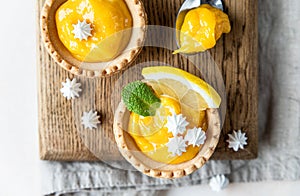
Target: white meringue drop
<point>237,140</point>
<point>195,136</point>
<point>82,30</point>
<point>218,182</point>
<point>70,89</point>
<point>176,124</point>
<point>176,146</point>
<point>90,120</point>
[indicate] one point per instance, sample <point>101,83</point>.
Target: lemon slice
<point>185,87</point>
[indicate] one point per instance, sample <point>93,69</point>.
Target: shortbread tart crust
<point>144,164</point>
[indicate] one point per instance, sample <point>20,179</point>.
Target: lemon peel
<point>190,81</point>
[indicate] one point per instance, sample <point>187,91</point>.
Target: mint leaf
<point>140,99</point>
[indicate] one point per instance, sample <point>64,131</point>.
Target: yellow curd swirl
<point>107,18</point>
<point>151,135</point>
<point>201,28</point>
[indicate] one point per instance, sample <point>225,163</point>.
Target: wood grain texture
<point>63,138</point>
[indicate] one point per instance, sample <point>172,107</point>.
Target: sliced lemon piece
<point>195,117</point>
<point>189,89</point>
<point>162,89</point>
<point>179,88</point>
<point>194,100</point>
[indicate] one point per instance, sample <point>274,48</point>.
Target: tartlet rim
<point>170,171</point>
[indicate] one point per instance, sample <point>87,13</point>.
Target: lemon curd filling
<point>201,28</point>
<point>106,18</point>
<point>151,135</point>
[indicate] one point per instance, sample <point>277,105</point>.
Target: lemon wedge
<point>185,87</point>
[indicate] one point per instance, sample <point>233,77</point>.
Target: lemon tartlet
<point>179,132</point>
<point>93,37</point>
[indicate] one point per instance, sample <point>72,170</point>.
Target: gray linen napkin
<point>279,124</point>
<point>99,178</point>
<point>279,95</point>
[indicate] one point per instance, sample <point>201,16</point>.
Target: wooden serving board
<point>63,138</point>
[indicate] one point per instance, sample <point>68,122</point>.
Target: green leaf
<point>140,99</point>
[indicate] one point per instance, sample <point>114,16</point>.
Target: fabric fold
<point>75,177</point>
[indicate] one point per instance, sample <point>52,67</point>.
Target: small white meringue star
<point>70,89</point>
<point>237,140</point>
<point>90,120</point>
<point>195,136</point>
<point>176,124</point>
<point>176,146</point>
<point>218,182</point>
<point>82,30</point>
